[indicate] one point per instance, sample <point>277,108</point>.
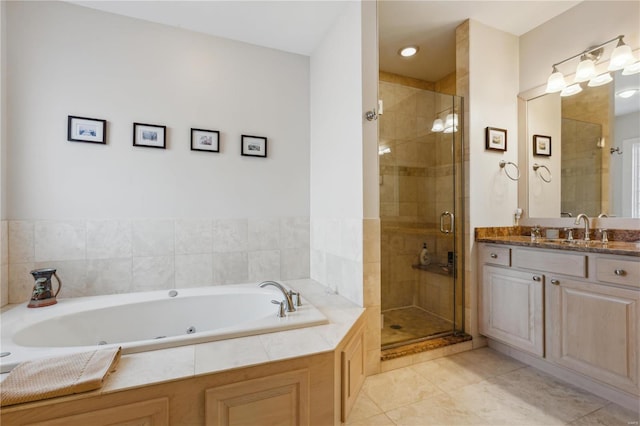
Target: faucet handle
<point>605,237</point>
<point>282,309</point>
<point>569,232</point>
<point>296,295</point>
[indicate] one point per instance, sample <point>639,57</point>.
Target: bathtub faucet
<point>291,307</point>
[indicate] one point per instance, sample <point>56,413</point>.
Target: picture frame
<point>495,139</point>
<point>542,145</point>
<point>149,135</point>
<point>85,129</point>
<point>205,140</point>
<point>253,146</point>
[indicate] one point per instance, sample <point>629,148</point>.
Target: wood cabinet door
<point>512,308</point>
<point>593,329</point>
<point>353,371</point>
<point>279,399</point>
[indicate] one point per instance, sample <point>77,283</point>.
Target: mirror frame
<point>523,183</point>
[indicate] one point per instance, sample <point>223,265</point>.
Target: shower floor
<point>411,323</point>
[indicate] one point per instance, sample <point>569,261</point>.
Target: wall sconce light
<point>621,58</point>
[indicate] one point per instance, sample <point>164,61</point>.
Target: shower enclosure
<point>420,157</point>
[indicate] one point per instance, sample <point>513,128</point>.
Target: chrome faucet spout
<point>582,216</point>
<point>291,307</point>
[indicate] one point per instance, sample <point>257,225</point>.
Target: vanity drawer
<point>618,271</point>
<point>496,255</point>
<point>551,261</point>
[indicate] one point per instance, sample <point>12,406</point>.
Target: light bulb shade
<point>451,120</point>
<point>600,80</point>
<point>555,82</point>
<point>620,58</point>
<point>632,68</point>
<point>571,90</point>
<point>625,94</point>
<point>586,69</point>
<point>438,126</point>
<point>450,129</point>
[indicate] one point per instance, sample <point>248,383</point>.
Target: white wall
<point>69,60</point>
<point>544,118</point>
<point>626,129</point>
<point>492,101</point>
<point>587,24</point>
<point>337,157</point>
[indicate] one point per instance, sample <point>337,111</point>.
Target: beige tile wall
<point>96,257</point>
<point>4,263</point>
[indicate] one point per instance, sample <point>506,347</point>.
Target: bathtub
<point>146,321</point>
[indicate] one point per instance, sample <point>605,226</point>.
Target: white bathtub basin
<point>146,321</point>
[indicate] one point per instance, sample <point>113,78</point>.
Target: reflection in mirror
<point>594,153</point>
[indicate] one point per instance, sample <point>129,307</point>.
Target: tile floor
<point>414,322</point>
<point>479,387</point>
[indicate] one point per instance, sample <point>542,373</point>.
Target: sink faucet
<point>291,307</point>
<point>586,225</point>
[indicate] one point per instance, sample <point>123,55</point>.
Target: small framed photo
<point>495,139</point>
<point>83,129</point>
<point>542,145</point>
<point>205,140</point>
<point>254,146</point>
<point>149,135</point>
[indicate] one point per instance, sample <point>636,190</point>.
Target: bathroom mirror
<point>583,149</point>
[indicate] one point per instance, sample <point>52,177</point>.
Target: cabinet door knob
<point>620,272</point>
<point>555,282</point>
<point>536,278</point>
<point>494,256</point>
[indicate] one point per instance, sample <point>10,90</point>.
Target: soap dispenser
<point>424,255</point>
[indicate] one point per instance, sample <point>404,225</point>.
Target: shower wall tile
<point>153,238</point>
<point>264,265</point>
<point>60,240</point>
<point>230,235</point>
<point>109,239</point>
<point>4,242</point>
<point>230,268</point>
<point>194,270</point>
<point>21,241</point>
<point>194,236</point>
<point>153,273</point>
<point>264,233</point>
<point>109,276</point>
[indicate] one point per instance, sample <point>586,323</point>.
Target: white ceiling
<point>298,26</point>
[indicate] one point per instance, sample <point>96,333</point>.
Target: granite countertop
<point>624,248</point>
<point>153,367</point>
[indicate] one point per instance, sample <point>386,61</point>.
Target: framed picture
<point>254,146</point>
<point>542,145</point>
<point>149,135</point>
<point>495,139</point>
<point>205,140</point>
<point>83,129</point>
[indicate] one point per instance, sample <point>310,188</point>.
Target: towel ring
<point>537,166</point>
<point>503,165</point>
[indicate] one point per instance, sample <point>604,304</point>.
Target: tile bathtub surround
<point>97,257</point>
<point>479,387</point>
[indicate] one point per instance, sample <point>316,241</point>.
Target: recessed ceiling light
<point>408,51</point>
<point>627,93</point>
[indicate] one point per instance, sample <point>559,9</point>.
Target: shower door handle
<point>452,224</point>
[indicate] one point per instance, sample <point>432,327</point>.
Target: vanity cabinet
<point>513,308</point>
<point>575,310</point>
<point>593,329</point>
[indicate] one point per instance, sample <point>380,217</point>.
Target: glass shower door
<point>420,156</point>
